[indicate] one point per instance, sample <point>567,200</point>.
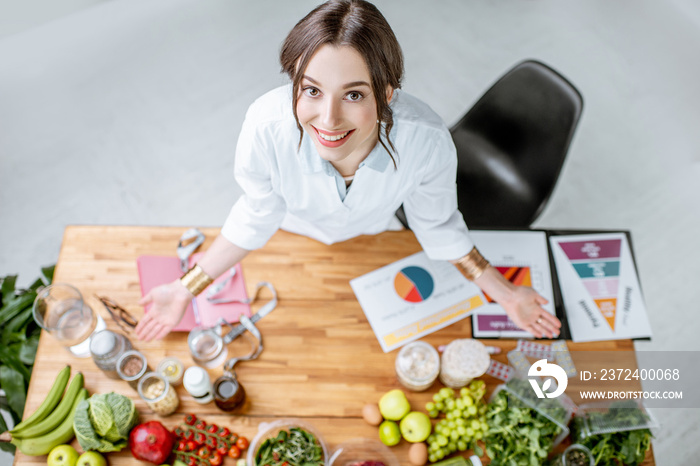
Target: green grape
<point>479,435</point>
<point>464,391</point>
<point>476,425</point>
<point>440,406</point>
<point>440,455</point>
<point>461,430</point>
<point>437,397</point>
<point>471,410</point>
<point>452,447</point>
<point>450,404</point>
<point>461,422</point>
<point>442,440</point>
<point>484,425</point>
<point>444,392</point>
<point>461,445</point>
<point>431,439</point>
<point>459,404</point>
<point>470,432</point>
<point>433,458</point>
<point>467,400</point>
<point>434,413</point>
<point>454,435</point>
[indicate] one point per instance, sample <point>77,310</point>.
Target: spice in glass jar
<point>158,394</point>
<point>173,369</point>
<point>131,367</point>
<point>463,360</point>
<point>417,366</point>
<point>106,347</point>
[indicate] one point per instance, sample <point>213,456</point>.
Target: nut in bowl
<point>287,440</point>
<point>363,452</point>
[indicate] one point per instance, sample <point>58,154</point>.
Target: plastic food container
<point>574,455</point>
<point>362,449</point>
<point>598,418</point>
<point>558,410</point>
<point>267,430</point>
<point>417,366</point>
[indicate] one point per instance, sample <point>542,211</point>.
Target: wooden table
<point>321,361</point>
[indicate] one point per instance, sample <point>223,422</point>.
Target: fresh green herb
<point>628,447</point>
<point>296,448</point>
<point>518,434</point>
<point>19,339</point>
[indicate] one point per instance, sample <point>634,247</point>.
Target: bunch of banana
<point>52,423</point>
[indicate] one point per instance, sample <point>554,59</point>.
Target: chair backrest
<point>512,144</point>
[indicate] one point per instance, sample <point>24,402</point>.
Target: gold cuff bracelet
<point>473,264</point>
<point>195,280</point>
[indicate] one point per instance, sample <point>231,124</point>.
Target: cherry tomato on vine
<point>216,459</point>
<point>212,428</point>
<point>190,445</point>
<point>234,452</point>
<point>190,419</point>
<point>242,443</point>
<point>223,431</point>
<point>204,453</point>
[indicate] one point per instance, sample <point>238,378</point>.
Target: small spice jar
<point>131,367</point>
<point>158,394</point>
<point>462,361</point>
<point>198,384</point>
<point>173,370</point>
<point>574,455</point>
<point>417,366</point>
<point>106,347</point>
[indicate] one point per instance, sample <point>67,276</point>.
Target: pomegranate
<point>151,441</point>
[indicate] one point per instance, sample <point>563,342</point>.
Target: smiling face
<point>336,106</point>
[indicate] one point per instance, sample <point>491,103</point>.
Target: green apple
<point>91,458</point>
<point>394,405</point>
<point>415,427</point>
<point>62,455</point>
<point>389,433</point>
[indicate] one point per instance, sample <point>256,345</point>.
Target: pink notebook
<point>157,270</point>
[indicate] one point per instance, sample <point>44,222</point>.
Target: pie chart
<point>414,284</point>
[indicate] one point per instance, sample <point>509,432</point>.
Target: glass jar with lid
<point>173,369</point>
<point>106,347</point>
<point>158,394</point>
<point>132,365</point>
<point>417,366</point>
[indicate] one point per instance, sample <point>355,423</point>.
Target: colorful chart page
<point>522,257</point>
<point>414,297</point>
<point>600,288</point>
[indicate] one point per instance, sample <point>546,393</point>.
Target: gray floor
<point>127,112</point>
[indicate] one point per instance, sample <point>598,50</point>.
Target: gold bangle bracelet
<point>473,264</point>
<point>196,280</point>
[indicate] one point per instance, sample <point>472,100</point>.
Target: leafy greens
<point>103,421</point>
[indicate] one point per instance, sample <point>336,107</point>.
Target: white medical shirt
<point>298,191</point>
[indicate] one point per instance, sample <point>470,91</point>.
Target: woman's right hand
<point>168,304</point>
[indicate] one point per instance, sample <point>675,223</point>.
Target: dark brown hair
<point>354,23</point>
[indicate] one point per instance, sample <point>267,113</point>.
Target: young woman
<point>333,155</point>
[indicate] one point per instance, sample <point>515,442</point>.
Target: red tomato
<point>242,443</point>
<point>212,428</point>
<point>215,459</point>
<point>223,432</point>
<point>204,453</point>
<point>190,446</point>
<point>222,450</point>
<point>190,419</point>
<point>234,452</point>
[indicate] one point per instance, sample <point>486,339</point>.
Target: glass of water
<point>61,310</point>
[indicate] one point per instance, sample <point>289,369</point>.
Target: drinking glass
<point>61,310</point>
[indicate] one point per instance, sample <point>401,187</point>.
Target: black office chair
<point>512,144</point>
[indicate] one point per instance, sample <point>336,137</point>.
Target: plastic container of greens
<point>609,417</point>
<point>298,438</point>
<point>558,410</point>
